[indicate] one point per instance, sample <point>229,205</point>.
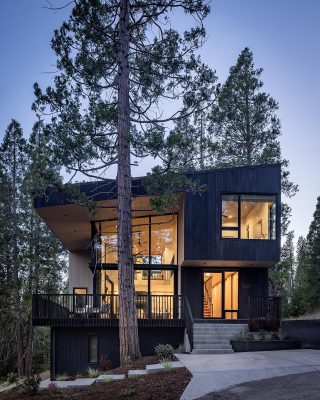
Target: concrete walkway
<point>220,371</point>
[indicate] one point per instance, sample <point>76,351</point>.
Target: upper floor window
<point>154,240</point>
<point>248,217</point>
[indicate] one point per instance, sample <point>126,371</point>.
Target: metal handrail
<point>189,320</point>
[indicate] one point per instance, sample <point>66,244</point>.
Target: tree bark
<point>128,325</point>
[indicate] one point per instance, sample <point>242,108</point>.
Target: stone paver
<point>136,372</point>
<point>103,378</point>
<point>217,372</point>
<point>160,367</point>
<point>9,387</point>
<point>80,382</point>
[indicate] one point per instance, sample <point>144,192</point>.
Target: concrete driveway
<point>220,371</point>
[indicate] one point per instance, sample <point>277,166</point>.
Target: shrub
<point>12,377</point>
<point>241,336</point>
<point>263,324</point>
<point>164,351</point>
<point>105,363</point>
<point>127,392</point>
<point>167,365</point>
<point>94,373</point>
<point>268,336</point>
<point>257,336</point>
<point>30,386</point>
<point>180,349</point>
<point>282,335</point>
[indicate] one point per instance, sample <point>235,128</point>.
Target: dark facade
<point>223,251</point>
<point>203,215</point>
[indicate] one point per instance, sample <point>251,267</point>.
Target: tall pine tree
<point>312,272</point>
<point>245,124</point>
<point>124,74</point>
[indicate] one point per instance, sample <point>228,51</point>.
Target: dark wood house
<point>201,266</point>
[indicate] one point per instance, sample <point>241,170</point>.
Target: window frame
<point>238,229</point>
<point>91,335</point>
<point>175,215</point>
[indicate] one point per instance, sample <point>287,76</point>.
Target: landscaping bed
<point>156,386</point>
<point>264,345</point>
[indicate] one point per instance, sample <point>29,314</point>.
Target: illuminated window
<point>154,240</point>
<point>248,217</point>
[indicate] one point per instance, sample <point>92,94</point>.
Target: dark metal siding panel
<point>203,215</point>
<point>71,345</point>
<point>252,282</point>
<point>192,289</point>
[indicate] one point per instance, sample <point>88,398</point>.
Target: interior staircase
<point>206,308</point>
<point>214,338</point>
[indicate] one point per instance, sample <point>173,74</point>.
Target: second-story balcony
<point>103,310</point>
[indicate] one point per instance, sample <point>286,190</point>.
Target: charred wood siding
<point>70,347</point>
<point>252,282</point>
<point>202,239</point>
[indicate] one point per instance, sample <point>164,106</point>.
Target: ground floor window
<point>93,346</point>
<point>220,294</point>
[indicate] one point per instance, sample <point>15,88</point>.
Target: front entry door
<point>220,294</point>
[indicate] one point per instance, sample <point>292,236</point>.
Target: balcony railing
<point>91,309</point>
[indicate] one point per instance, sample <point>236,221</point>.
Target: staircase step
<point>210,351</point>
<point>210,340</point>
<point>212,346</point>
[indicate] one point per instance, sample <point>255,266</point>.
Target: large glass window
<point>157,282</point>
<point>230,216</point>
<point>140,240</point>
<point>164,239</point>
<point>154,240</point>
<point>248,217</point>
<point>109,242</point>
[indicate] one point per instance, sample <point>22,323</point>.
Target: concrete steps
<point>214,338</point>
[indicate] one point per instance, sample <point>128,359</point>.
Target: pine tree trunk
<point>17,310</point>
<point>128,325</point>
<point>33,253</point>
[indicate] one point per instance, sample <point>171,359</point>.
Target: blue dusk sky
<point>284,36</point>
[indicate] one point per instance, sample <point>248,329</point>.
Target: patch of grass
<point>127,392</point>
<point>180,349</point>
<point>133,376</point>
<point>167,365</point>
<point>94,373</point>
<point>108,379</point>
<point>62,377</point>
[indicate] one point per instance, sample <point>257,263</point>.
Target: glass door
<point>212,295</point>
<point>220,294</point>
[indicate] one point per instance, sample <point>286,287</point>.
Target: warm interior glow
<point>213,289</point>
<point>161,250</point>
<point>257,213</point>
<point>161,288</point>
